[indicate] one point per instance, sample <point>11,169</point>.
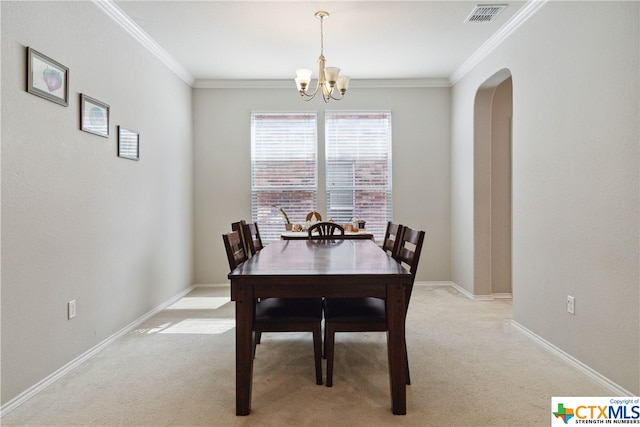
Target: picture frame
<point>128,144</point>
<point>47,78</point>
<point>94,116</point>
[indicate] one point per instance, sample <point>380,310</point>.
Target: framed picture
<point>47,78</point>
<point>128,144</point>
<point>94,116</point>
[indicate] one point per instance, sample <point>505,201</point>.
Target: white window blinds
<point>358,168</point>
<point>283,169</point>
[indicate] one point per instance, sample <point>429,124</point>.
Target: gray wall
<point>222,153</point>
<point>77,221</point>
<point>575,180</point>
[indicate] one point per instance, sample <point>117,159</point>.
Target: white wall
<point>222,153</point>
<point>77,221</point>
<point>575,180</point>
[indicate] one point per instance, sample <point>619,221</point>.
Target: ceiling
<point>269,40</point>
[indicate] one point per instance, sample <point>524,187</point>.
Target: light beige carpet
<point>469,367</point>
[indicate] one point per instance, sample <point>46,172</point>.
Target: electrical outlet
<point>71,309</point>
<point>571,305</point>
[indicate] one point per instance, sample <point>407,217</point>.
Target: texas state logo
<point>565,414</point>
<point>595,410</point>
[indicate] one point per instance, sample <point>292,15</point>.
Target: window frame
<point>270,219</point>
<point>359,145</point>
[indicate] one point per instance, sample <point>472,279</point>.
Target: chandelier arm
<point>306,96</point>
<point>326,95</point>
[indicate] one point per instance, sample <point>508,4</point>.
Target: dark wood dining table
<point>320,268</point>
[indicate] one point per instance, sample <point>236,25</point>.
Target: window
<point>283,169</point>
<point>358,168</point>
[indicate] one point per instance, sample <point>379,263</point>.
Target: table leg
<point>396,309</point>
<point>245,306</point>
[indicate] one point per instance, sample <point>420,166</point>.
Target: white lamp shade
<point>331,74</point>
<point>343,83</point>
<point>303,76</point>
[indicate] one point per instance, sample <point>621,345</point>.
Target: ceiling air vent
<point>485,12</point>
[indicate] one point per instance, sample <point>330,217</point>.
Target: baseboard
<point>433,283</point>
<point>606,382</point>
<point>489,297</point>
<point>462,290</point>
<point>32,391</point>
<point>211,285</point>
<point>41,385</point>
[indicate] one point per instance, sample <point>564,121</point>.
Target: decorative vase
<point>287,226</point>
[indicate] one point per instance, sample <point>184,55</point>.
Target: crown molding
<point>505,31</point>
<point>289,84</point>
<point>115,13</point>
<point>121,18</point>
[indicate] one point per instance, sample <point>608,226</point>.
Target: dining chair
<point>280,314</point>
<point>325,230</point>
<point>391,239</point>
<point>235,248</point>
<point>253,243</point>
<point>369,314</point>
<point>252,237</point>
<point>239,227</point>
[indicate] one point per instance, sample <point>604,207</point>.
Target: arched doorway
<point>493,113</point>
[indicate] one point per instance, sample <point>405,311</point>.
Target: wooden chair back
<point>392,238</point>
<point>408,253</point>
<point>239,227</point>
<point>325,230</point>
<point>236,252</point>
<point>252,238</point>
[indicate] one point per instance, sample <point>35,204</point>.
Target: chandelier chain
<point>321,37</point>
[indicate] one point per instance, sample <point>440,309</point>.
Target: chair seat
<point>284,310</point>
<point>345,310</point>
<point>292,315</point>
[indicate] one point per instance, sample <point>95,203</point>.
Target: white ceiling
<point>268,40</point>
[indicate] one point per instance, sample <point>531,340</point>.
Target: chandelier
<point>329,81</point>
